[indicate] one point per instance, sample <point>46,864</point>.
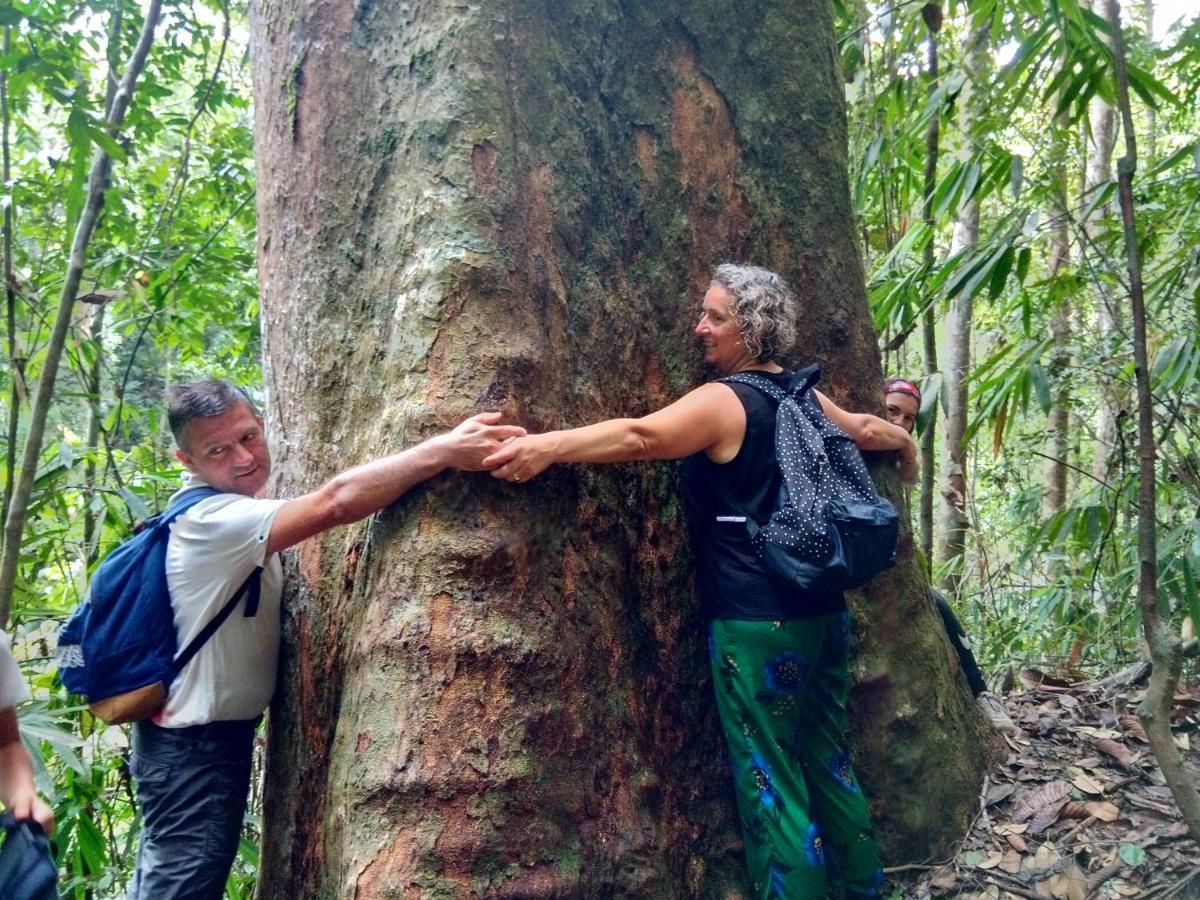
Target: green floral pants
<point>781,691</point>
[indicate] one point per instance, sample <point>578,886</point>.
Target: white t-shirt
<point>214,547</point>
<point>13,688</point>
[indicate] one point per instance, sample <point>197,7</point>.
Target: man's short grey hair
<point>203,398</point>
<point>764,308</point>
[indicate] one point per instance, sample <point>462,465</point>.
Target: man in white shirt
<point>191,762</point>
<point>17,792</point>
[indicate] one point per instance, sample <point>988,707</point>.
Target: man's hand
<point>16,776</point>
<point>476,438</point>
<point>26,804</point>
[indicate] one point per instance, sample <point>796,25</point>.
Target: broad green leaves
<point>1034,129</point>
<point>173,260</point>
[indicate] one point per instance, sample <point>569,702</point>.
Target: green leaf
<point>1023,257</point>
<point>1191,593</point>
<point>1132,855</point>
<point>931,390</point>
<point>1185,152</point>
<point>1099,196</point>
<point>1149,88</point>
<point>91,843</point>
<point>136,506</point>
<point>107,144</point>
<point>1041,386</point>
<point>1000,273</point>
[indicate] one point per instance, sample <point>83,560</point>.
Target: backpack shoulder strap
<point>253,584</point>
<point>186,501</point>
<point>803,381</point>
<point>760,384</point>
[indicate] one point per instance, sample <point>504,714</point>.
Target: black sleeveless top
<point>729,574</point>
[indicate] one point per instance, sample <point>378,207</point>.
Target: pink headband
<point>900,386</point>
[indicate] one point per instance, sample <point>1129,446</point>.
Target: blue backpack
<point>829,529</point>
<point>119,648</point>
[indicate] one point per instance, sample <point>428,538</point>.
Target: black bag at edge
<point>26,870</point>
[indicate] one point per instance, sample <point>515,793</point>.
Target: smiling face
<point>228,451</point>
<point>719,333</point>
<point>902,410</point>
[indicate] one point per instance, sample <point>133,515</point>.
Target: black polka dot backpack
<point>829,529</point>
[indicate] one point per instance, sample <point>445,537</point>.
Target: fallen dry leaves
<point>1078,808</point>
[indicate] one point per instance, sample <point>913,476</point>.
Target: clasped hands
<point>522,458</point>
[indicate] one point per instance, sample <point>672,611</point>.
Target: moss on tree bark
<point>503,690</point>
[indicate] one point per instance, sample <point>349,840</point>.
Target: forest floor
<point>1076,807</point>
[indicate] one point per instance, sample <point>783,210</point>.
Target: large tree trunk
<point>502,690</point>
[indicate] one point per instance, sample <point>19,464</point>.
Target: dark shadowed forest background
<point>984,141</point>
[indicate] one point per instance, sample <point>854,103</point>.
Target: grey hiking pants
<point>192,785</point>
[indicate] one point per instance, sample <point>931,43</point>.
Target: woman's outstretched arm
<point>710,418</point>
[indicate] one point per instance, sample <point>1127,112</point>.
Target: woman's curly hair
<point>764,308</point>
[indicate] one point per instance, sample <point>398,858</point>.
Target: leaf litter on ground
<point>1076,807</point>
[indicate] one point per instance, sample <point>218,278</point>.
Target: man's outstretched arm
<point>358,492</point>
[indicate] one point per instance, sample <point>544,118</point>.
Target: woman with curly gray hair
<point>779,657</point>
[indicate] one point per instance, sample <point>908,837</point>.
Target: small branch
<point>1062,462</point>
<point>14,525</point>
<point>16,365</point>
<point>1165,650</point>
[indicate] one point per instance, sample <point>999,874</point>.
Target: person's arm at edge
<point>704,419</point>
<point>362,490</point>
<point>873,433</point>
<point>17,790</point>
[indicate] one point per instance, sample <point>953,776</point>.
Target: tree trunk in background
<point>95,333</point>
<point>1058,422</point>
<point>955,521</point>
<point>1166,652</point>
<point>16,365</point>
<point>932,14</point>
<point>1143,14</point>
<point>1100,141</point>
<point>503,690</point>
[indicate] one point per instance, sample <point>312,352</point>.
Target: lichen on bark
<point>502,691</point>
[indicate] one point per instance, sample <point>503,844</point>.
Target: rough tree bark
<point>503,690</point>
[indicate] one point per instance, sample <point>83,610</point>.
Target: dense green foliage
<point>171,292</point>
<point>1041,584</point>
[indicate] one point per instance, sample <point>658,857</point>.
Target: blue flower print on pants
<point>814,852</point>
<point>839,768</point>
<point>764,781</point>
<point>785,676</point>
<point>777,884</point>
